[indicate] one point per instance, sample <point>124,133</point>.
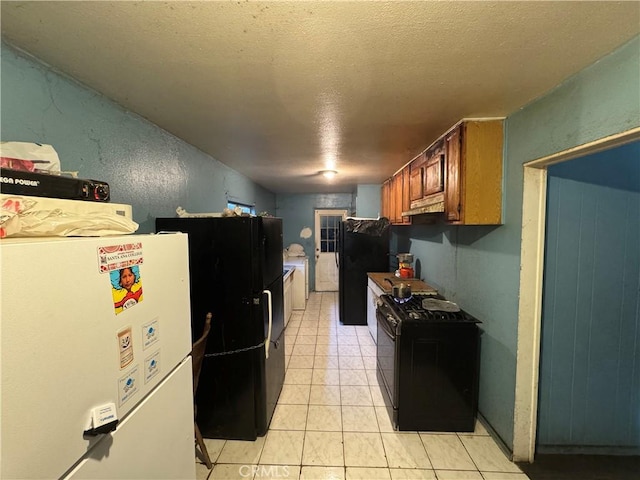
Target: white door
<point>327,226</point>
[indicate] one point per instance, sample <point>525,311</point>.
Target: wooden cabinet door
<point>406,200</point>
<point>392,200</point>
<point>385,208</point>
<point>453,191</point>
<point>434,172</point>
<point>396,189</point>
<point>416,178</point>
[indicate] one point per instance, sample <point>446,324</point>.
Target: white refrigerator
<point>95,339</point>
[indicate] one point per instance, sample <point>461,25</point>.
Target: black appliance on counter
<point>363,246</point>
<point>236,273</point>
<point>427,365</point>
<point>20,182</point>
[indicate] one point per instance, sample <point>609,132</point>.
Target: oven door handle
<point>384,323</point>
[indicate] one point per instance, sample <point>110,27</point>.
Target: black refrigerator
<point>235,268</point>
<point>363,246</point>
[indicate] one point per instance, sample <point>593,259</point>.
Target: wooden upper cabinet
<point>434,170</point>
<point>427,180</point>
<point>416,178</point>
<point>452,201</point>
<point>395,198</point>
<point>385,200</point>
<point>406,200</point>
<point>400,197</point>
<point>473,185</point>
<point>460,174</point>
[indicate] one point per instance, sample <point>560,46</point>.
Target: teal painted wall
<point>368,201</point>
<point>479,267</point>
<point>600,101</point>
<point>145,166</point>
<point>589,391</point>
<point>298,212</point>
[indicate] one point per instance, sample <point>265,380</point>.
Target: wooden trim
<point>529,314</point>
<point>587,148</point>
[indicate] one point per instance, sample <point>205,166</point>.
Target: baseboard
<point>497,438</point>
<point>587,450</point>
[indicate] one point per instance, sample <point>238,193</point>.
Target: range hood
<point>431,204</point>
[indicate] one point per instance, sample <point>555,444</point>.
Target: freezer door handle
<point>267,341</point>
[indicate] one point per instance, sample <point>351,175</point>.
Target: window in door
<point>329,225</point>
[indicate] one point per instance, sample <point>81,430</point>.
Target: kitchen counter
<point>417,285</point>
<point>287,272</point>
<point>287,292</point>
<point>300,280</point>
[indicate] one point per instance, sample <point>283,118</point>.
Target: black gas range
<point>428,363</point>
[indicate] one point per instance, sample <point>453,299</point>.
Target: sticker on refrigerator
<point>125,347</point>
<point>128,386</point>
<point>126,288</point>
<point>151,366</point>
<point>117,257</point>
<point>150,333</point>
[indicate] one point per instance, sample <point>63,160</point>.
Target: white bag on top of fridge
<point>29,157</point>
<point>33,217</point>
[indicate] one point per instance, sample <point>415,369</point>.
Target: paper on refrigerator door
<point>123,264</point>
<point>150,333</point>
<point>125,347</point>
<point>151,366</point>
<point>128,385</point>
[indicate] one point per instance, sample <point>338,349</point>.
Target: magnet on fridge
<point>103,420</point>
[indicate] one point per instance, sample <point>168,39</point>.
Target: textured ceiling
<point>281,90</point>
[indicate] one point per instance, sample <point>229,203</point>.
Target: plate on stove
<point>436,305</point>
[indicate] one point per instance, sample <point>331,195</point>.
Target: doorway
<point>589,381</point>
<point>534,212</point>
<point>327,227</point>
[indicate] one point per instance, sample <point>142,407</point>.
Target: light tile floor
<point>331,423</point>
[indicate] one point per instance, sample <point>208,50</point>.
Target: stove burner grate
<point>411,308</point>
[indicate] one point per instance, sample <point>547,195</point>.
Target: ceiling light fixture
<point>329,173</point>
